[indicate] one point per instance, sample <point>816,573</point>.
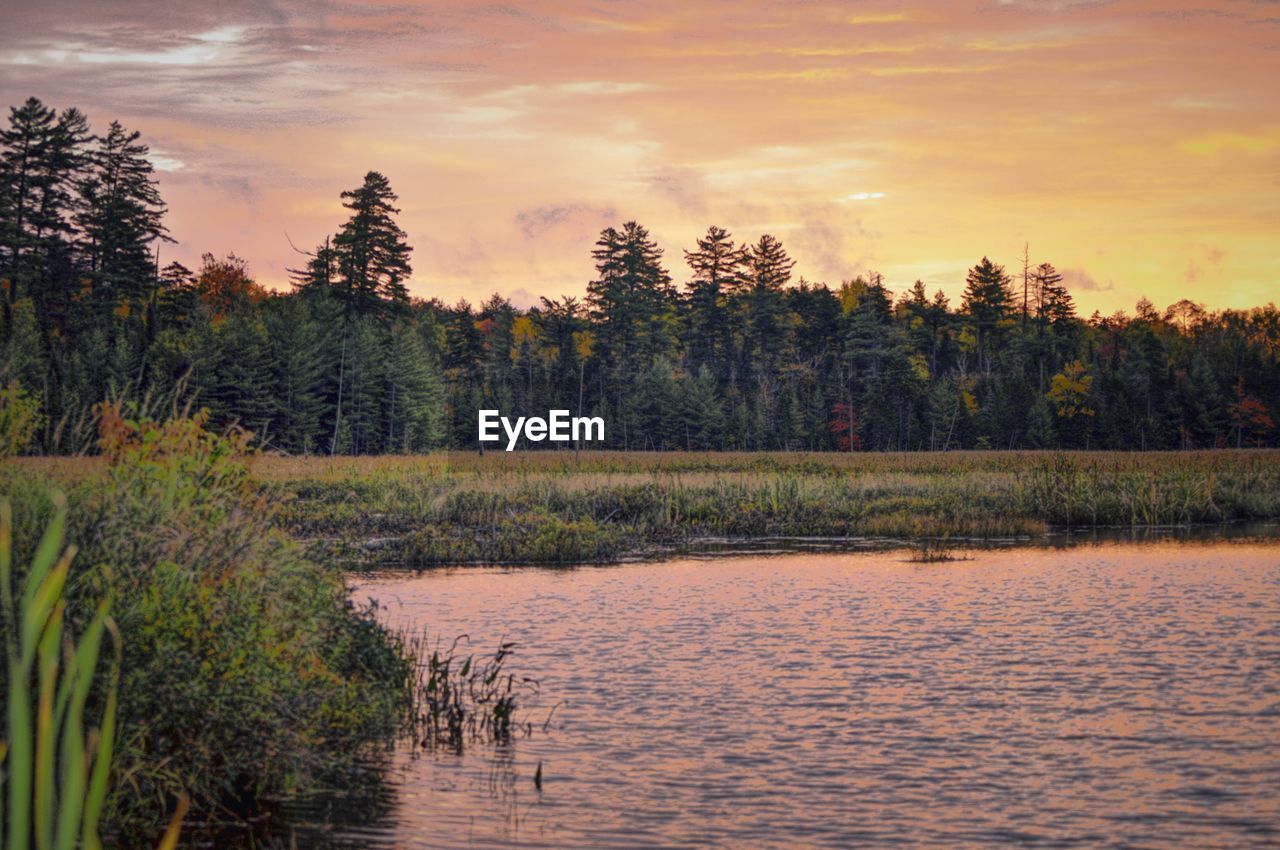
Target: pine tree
<point>1058,308</point>
<point>768,273</point>
<point>414,394</point>
<point>121,217</point>
<point>320,272</point>
<point>701,412</point>
<point>41,158</point>
<point>629,295</point>
<point>296,346</point>
<point>717,267</point>
<point>987,301</point>
<point>24,147</point>
<point>232,373</point>
<point>370,252</point>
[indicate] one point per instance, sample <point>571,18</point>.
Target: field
<point>553,507</point>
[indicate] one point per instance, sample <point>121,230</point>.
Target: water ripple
<point>1114,695</point>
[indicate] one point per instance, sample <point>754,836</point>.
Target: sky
<point>1135,145</point>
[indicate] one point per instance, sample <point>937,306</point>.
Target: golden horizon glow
<point>1136,145</point>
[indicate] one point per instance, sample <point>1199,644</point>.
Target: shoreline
<point>542,508</point>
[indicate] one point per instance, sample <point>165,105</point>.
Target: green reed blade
<point>20,747</point>
<point>47,552</point>
<point>74,766</point>
<point>46,729</point>
<point>35,616</point>
<point>97,793</point>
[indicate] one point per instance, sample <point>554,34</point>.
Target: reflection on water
<point>1109,694</point>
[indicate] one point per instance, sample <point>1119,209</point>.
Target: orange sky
<point>1135,145</point>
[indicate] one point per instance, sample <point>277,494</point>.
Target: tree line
<point>726,348</point>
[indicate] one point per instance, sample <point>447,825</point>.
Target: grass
<point>451,508</point>
<point>932,551</point>
<point>553,508</point>
<point>49,801</point>
<point>244,672</point>
<point>461,699</point>
<point>54,769</point>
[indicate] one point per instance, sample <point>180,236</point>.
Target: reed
<point>461,699</point>
<point>55,772</point>
<point>934,551</point>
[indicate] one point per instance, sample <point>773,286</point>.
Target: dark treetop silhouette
<point>740,356</point>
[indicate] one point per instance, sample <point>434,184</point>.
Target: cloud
<point>1208,264</point>
<point>539,220</point>
<point>1192,272</point>
<point>685,187</point>
<point>523,298</point>
<point>164,162</point>
<point>1080,279</point>
<point>513,131</point>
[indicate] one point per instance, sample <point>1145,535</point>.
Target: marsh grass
<point>543,507</point>
<point>934,551</point>
<point>53,765</point>
<point>550,508</point>
<point>460,699</point>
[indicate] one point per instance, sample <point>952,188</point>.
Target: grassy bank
<point>243,674</point>
<point>550,508</point>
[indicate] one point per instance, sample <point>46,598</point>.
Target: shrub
<point>245,670</point>
<point>20,419</point>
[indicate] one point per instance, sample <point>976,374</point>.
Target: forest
<point>723,348</point>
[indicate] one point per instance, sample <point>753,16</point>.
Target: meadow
<point>562,508</point>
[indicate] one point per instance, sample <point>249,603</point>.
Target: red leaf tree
<point>844,424</point>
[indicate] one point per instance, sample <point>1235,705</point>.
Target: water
<point>1116,694</point>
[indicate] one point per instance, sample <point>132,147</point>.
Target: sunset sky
<point>1136,145</point>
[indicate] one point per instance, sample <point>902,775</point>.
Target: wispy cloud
<point>1079,279</point>
<point>904,137</point>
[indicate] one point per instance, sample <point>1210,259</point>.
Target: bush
<point>20,419</point>
<point>246,672</point>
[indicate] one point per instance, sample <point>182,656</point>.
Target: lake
<point>1108,694</point>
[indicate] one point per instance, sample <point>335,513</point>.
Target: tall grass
<point>461,699</point>
<point>548,507</point>
<point>545,508</point>
<point>244,671</point>
<point>55,772</point>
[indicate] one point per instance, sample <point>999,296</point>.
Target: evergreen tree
<point>768,273</point>
<point>41,157</point>
<point>630,295</point>
<point>370,254</point>
<point>701,412</point>
<point>414,395</point>
<point>746,360</point>
<point>121,217</point>
<point>717,267</point>
<point>987,302</point>
<point>297,351</point>
<point>23,152</point>
<point>319,274</point>
<point>359,423</point>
